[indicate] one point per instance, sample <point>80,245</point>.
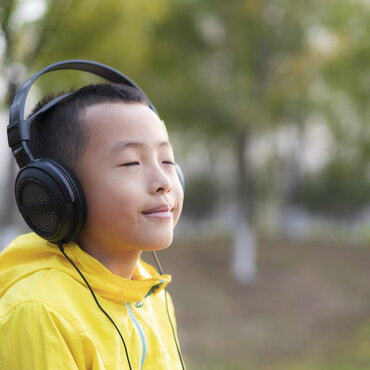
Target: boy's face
<point>133,194</point>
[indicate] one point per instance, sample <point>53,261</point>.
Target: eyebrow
<point>121,145</point>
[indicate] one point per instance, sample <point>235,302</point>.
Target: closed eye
<point>129,164</point>
<point>169,162</point>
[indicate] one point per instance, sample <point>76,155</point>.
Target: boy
<point>119,150</point>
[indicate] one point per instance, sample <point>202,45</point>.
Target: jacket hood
<point>30,253</point>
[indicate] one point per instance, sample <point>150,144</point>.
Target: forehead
<point>109,124</point>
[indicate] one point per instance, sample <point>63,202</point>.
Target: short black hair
<point>59,133</point>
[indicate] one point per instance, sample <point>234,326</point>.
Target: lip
<point>161,211</point>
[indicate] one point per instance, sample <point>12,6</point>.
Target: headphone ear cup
<point>181,176</point>
<point>51,200</point>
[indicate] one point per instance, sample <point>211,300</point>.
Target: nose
<point>160,182</point>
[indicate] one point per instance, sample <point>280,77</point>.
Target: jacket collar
<point>145,281</point>
<point>29,253</point>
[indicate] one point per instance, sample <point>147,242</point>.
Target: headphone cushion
<point>180,176</point>
<point>51,200</point>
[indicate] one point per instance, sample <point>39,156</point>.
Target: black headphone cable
<point>60,246</point>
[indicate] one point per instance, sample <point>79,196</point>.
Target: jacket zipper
<point>133,318</point>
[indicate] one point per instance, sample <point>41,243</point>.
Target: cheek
<point>124,199</point>
<point>113,198</point>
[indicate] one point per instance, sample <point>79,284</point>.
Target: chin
<point>157,244</point>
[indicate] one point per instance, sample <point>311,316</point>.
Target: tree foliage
<point>229,69</point>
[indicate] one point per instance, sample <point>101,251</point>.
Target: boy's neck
<point>122,264</point>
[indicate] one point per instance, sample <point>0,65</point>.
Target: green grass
<point>307,309</point>
<point>352,353</point>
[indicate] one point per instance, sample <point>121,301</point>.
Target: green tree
<point>37,33</point>
<point>224,68</point>
<point>227,69</point>
<point>21,40</point>
<point>339,38</point>
<point>240,69</point>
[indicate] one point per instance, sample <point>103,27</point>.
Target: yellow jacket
<point>49,319</point>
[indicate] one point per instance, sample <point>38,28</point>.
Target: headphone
<point>48,194</point>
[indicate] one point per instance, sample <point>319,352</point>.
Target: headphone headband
<point>19,127</point>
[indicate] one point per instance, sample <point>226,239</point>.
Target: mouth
<point>161,211</point>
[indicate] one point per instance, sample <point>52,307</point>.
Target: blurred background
<point>266,102</point>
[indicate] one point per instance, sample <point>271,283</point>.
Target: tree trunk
<point>11,223</point>
<point>10,220</point>
<point>244,266</point>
